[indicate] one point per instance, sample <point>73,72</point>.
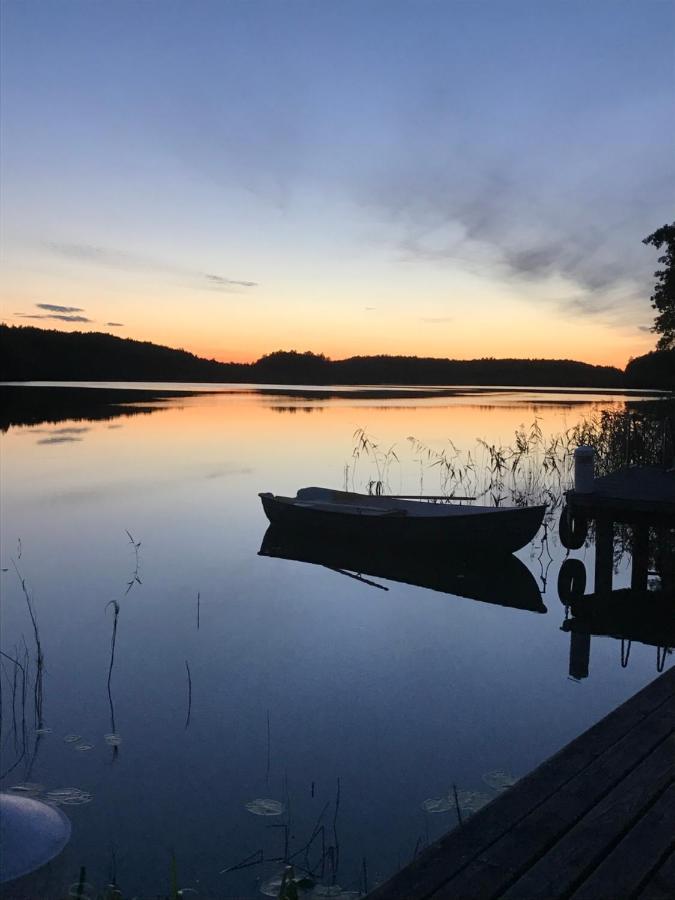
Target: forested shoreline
<point>36,354</point>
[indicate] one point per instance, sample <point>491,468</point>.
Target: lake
<point>222,677</point>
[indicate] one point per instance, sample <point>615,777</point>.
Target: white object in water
<point>31,833</point>
<point>584,464</point>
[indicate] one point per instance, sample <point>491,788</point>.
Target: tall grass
<point>533,468</point>
<point>634,437</point>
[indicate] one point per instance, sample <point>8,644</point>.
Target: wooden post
<point>665,559</point>
<point>604,555</point>
<point>640,567</point>
<point>580,654</point>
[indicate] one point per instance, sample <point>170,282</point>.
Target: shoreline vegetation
<point>36,354</point>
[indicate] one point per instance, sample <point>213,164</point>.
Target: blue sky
<point>456,178</point>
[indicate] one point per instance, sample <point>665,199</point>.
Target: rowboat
<point>362,517</point>
<point>502,580</point>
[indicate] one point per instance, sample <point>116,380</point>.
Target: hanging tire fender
<point>571,581</point>
<point>572,528</point>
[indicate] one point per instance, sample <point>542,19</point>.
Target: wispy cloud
<point>218,279</point>
<point>58,316</point>
<point>131,262</point>
<point>53,307</point>
<point>100,256</point>
<point>63,314</point>
<point>496,220</point>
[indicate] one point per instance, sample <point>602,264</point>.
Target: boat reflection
<point>500,579</point>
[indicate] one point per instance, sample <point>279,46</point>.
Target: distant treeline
<point>36,354</point>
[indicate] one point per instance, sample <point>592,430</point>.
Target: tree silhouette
<point>663,298</point>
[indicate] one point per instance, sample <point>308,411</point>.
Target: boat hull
<point>496,530</point>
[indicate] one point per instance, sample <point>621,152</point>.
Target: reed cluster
<point>533,468</point>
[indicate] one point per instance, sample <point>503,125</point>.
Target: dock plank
<point>458,849</point>
<point>518,850</point>
<point>637,856</point>
<point>587,843</point>
<point>661,885</point>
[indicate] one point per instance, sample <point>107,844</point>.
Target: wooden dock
<point>642,497</point>
<point>594,822</point>
<point>638,495</point>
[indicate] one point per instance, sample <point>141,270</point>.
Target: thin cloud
<point>115,324</point>
<point>100,256</point>
<point>52,307</point>
<point>498,221</point>
<point>58,316</point>
<point>226,282</point>
<point>132,262</point>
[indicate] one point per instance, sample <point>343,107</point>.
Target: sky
<point>461,178</point>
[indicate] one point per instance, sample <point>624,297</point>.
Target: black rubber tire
<point>572,529</point>
<point>571,581</point>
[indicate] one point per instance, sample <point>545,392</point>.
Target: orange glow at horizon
<point>573,342</point>
<point>595,346</point>
<point>478,322</point>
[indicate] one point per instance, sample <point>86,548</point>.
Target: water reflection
<point>27,405</point>
<point>60,439</point>
<point>393,692</point>
<point>499,579</point>
<point>645,617</point>
<point>630,615</point>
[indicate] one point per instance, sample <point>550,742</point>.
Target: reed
<point>39,655</point>
<point>189,695</point>
<point>533,469</point>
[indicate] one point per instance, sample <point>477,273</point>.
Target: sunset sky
<point>449,178</point>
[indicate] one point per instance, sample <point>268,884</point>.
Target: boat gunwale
<point>392,506</point>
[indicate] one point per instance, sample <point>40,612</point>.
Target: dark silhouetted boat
<point>500,579</point>
<point>362,517</point>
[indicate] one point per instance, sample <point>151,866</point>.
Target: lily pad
<point>265,807</point>
<point>27,789</point>
<point>72,738</point>
<point>438,804</point>
<point>82,798</point>
<point>84,747</point>
<point>113,740</point>
<point>499,780</point>
<point>68,797</point>
<point>272,886</point>
<point>471,801</point>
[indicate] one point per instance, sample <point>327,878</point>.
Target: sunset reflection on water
<point>397,693</point>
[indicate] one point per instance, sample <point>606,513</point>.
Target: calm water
<point>300,677</point>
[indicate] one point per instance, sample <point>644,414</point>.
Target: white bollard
<point>584,464</point>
